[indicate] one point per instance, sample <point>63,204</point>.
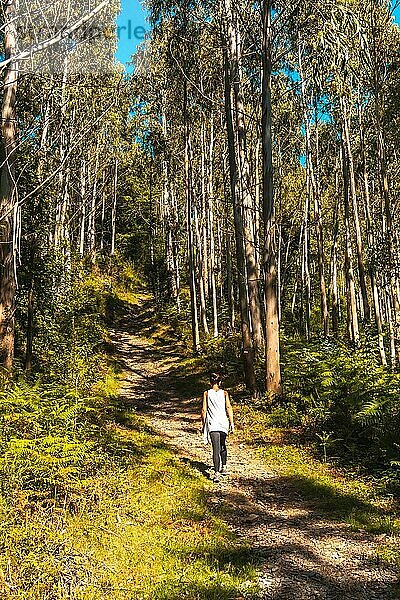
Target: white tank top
<point>217,419</point>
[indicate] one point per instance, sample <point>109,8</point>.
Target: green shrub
<point>345,392</point>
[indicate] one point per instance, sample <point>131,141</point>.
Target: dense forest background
<point>248,174</point>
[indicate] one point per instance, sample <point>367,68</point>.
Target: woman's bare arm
<point>229,411</point>
<point>204,409</point>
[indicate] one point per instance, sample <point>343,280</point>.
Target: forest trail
<point>299,553</point>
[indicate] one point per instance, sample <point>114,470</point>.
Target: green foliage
<point>363,502</point>
<point>345,392</point>
<point>68,329</point>
<point>49,421</point>
<point>47,436</point>
<point>93,505</point>
<point>224,353</point>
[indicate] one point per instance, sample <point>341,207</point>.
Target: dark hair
<point>215,378</point>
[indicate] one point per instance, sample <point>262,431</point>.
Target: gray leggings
<point>218,439</point>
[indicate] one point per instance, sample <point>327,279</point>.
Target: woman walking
<point>217,420</point>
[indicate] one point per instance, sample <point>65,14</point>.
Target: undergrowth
<point>138,526</point>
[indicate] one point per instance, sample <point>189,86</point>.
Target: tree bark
<point>83,210</point>
<point>234,51</point>
<point>210,195</point>
<point>272,346</point>
<point>60,227</point>
<point>189,226</point>
<point>313,190</point>
<point>114,208</point>
<point>335,300</point>
<point>92,214</point>
<point>352,317</point>
<point>353,194</point>
<point>29,328</point>
<point>371,243</point>
<point>8,192</point>
<point>305,265</point>
<point>247,345</point>
<point>202,283</point>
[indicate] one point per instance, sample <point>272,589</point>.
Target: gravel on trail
<point>300,554</point>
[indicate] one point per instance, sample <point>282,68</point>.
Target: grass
<point>342,496</point>
<point>126,518</point>
<point>159,539</point>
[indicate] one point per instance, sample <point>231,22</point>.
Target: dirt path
<point>301,554</point>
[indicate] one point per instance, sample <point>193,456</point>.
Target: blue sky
<point>132,26</point>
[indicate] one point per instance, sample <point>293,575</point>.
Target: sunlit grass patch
<point>112,512</point>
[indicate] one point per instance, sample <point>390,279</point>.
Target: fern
<point>372,411</point>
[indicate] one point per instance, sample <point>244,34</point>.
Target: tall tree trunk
<point>390,321</point>
<point>247,203</point>
<point>298,271</point>
<point>305,265</point>
<point>228,250</point>
<point>313,189</point>
<point>335,300</point>
<point>29,328</point>
<point>189,209</point>
<point>379,61</point>
<point>8,192</point>
<point>175,247</point>
<point>353,194</point>
<point>352,317</point>
<point>279,273</point>
<point>272,348</point>
<point>319,229</point>
<point>257,207</point>
<point>371,242</point>
<point>92,214</point>
<point>169,211</point>
<point>247,345</point>
<point>204,213</point>
<point>103,212</point>
<point>210,195</point>
<point>202,283</point>
<point>114,208</point>
<point>83,210</point>
<point>60,228</point>
<point>393,301</point>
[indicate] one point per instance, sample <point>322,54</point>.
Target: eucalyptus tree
<point>8,189</point>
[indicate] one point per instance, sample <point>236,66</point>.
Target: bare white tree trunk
<point>114,208</point>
